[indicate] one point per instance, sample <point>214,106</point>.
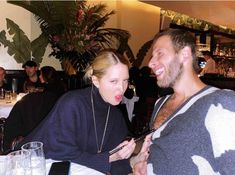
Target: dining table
<point>75,169</point>
<point>6,105</point>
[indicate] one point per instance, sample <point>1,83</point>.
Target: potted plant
<point>76,31</point>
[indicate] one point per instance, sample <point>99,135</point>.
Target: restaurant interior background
<point>141,18</point>
<point>127,13</point>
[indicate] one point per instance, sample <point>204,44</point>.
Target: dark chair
<point>26,115</point>
<point>2,123</point>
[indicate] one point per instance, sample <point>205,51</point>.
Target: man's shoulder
<point>224,93</point>
<point>222,96</point>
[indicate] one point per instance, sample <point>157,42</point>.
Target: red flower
<point>55,39</point>
<point>80,15</point>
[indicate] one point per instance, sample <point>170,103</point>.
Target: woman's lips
<point>118,98</point>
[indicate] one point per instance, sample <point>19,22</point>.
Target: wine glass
<point>18,163</point>
<point>38,163</point>
<point>8,96</point>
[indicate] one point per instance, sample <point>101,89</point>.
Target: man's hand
<point>140,168</point>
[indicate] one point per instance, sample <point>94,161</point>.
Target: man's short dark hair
<point>29,64</point>
<point>180,38</point>
<point>208,53</point>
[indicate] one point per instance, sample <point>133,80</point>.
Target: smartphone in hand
<point>59,168</point>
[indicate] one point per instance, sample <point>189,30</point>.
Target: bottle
<point>2,93</point>
<point>14,85</point>
<point>230,52</point>
<point>217,51</point>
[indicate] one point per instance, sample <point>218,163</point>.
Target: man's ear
<point>186,53</point>
<point>95,81</point>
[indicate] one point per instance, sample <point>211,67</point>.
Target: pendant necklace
<point>99,148</point>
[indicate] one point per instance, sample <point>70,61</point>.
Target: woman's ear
<point>95,81</point>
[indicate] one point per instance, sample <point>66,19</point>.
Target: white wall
<point>140,19</point>
<point>22,18</point>
<point>27,23</point>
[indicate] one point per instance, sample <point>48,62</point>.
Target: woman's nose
<point>122,87</point>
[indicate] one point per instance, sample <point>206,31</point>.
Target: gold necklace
<point>99,149</point>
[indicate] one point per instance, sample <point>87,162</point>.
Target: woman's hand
<point>125,152</point>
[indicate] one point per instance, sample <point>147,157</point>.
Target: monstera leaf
<point>20,47</point>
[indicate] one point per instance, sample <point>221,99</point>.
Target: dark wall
<point>220,82</point>
<point>72,82</point>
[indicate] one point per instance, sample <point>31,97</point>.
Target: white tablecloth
<point>75,169</point>
<point>5,107</point>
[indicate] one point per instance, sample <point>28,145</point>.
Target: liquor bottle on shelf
<point>230,52</point>
<point>217,50</point>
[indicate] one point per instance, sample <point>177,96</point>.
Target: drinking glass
<point>18,163</point>
<point>8,96</point>
<point>2,93</point>
<point>38,163</point>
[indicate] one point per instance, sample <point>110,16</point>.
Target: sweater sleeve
<point>12,127</point>
<point>220,123</point>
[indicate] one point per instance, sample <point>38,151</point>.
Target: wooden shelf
<point>227,57</point>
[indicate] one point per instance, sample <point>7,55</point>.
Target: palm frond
<point>142,53</point>
<point>76,30</point>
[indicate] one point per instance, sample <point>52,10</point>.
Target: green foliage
<point>76,30</point>
<point>194,23</point>
<point>142,53</point>
<point>20,47</point>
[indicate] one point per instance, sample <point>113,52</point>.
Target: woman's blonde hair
<point>103,61</point>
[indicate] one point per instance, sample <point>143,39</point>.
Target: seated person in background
<point>32,81</point>
<point>32,108</point>
<point>51,81</point>
<point>210,67</point>
<point>85,124</point>
<point>3,82</point>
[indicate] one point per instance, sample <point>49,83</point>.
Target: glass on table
<point>18,163</point>
<point>8,96</point>
<point>2,93</point>
<point>30,89</point>
<point>14,96</point>
<point>38,163</point>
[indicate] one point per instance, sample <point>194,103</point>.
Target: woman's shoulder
<point>76,95</point>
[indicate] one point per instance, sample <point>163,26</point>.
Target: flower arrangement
<point>83,35</point>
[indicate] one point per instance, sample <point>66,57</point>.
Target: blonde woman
<point>85,124</point>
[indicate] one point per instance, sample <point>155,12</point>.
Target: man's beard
<point>172,75</point>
